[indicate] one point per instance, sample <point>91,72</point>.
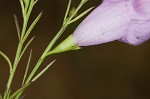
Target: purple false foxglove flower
<point>124,20</point>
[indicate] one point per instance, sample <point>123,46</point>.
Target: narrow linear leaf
<point>30,8</point>
<point>7,59</point>
<point>26,4</point>
<point>43,71</point>
<point>31,27</point>
<point>36,1</point>
<point>67,11</point>
<point>76,11</point>
<point>23,8</point>
<point>26,17</point>
<point>17,26</point>
<point>19,90</point>
<point>27,67</point>
<point>81,15</point>
<point>24,49</point>
<point>26,72</point>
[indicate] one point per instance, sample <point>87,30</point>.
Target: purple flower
<point>124,20</point>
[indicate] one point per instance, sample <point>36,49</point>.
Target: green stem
<point>24,27</point>
<point>18,53</point>
<point>50,45</point>
<point>26,19</point>
<point>63,28</point>
<point>10,79</point>
<point>41,59</point>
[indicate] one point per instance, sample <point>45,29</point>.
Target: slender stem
<point>10,79</point>
<point>41,59</point>
<point>49,47</point>
<point>26,15</point>
<point>18,53</point>
<point>26,18</point>
<point>24,27</point>
<point>53,41</point>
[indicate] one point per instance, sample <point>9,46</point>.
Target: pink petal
<point>142,8</point>
<point>124,20</point>
<point>106,23</point>
<point>138,32</point>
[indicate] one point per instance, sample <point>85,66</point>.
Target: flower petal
<point>106,23</point>
<point>113,0</point>
<point>142,9</point>
<point>139,28</point>
<point>138,32</point>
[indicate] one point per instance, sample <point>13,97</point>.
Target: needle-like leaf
<point>23,8</point>
<point>17,26</point>
<point>29,42</point>
<point>19,90</point>
<point>67,11</point>
<point>7,59</point>
<point>31,27</point>
<point>27,67</point>
<point>35,2</point>
<point>43,71</point>
<point>81,15</point>
<point>32,2</point>
<point>53,41</point>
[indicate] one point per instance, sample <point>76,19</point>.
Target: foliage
<point>23,34</point>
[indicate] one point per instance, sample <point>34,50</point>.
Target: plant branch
<point>53,41</point>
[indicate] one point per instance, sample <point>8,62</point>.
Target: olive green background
<point>113,70</point>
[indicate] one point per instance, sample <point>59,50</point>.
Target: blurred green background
<point>109,71</point>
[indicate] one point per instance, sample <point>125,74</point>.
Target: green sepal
<point>66,45</point>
